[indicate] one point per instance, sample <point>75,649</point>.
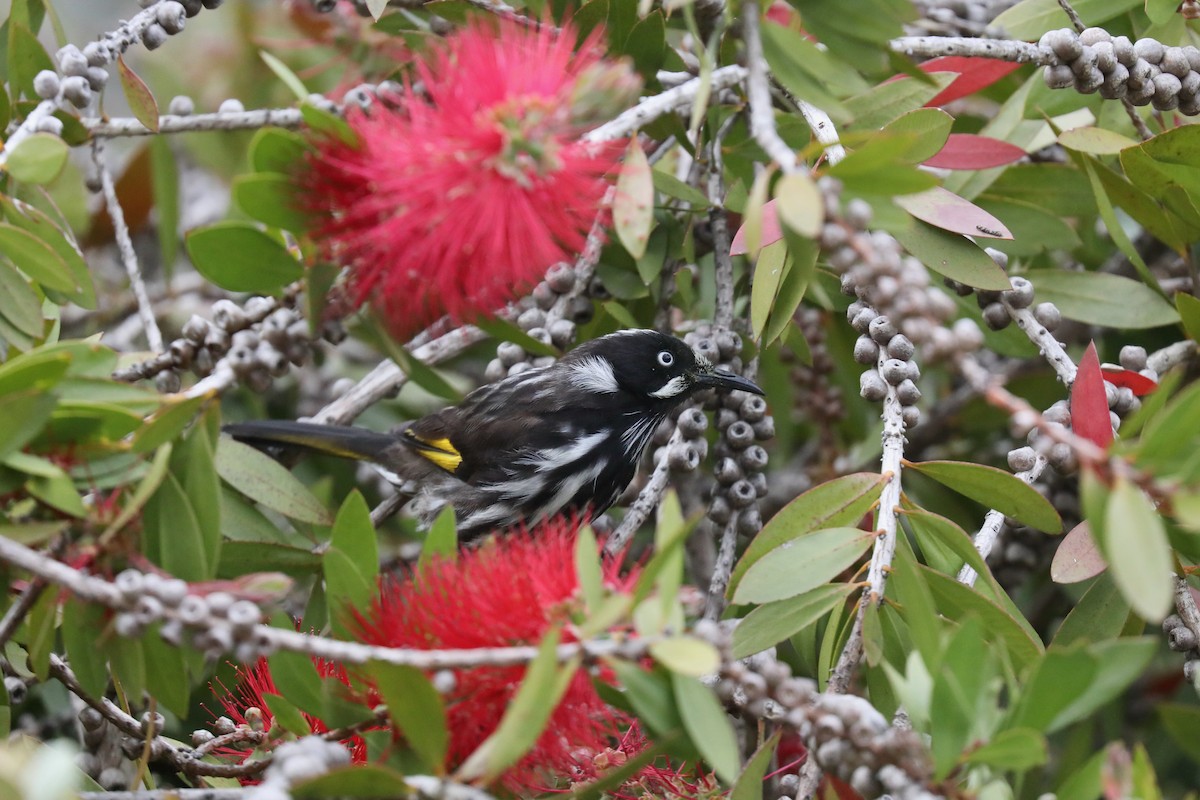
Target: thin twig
<point>17,611</point>
<point>762,108</point>
<point>125,246</point>
<point>647,500</point>
<point>719,224</point>
<point>1001,49</point>
<point>1049,347</point>
<point>714,602</point>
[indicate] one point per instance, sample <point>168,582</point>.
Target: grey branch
<point>762,108</point>
<point>667,102</point>
<point>125,245</point>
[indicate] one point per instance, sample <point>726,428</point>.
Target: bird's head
<point>650,365</point>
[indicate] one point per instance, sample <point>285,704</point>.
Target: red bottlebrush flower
<point>247,705</point>
<point>468,192</point>
<point>509,592</point>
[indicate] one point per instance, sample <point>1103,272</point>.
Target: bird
<point>562,438</point>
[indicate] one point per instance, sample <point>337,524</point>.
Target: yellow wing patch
<point>439,451</point>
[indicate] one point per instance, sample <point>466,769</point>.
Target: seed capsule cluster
<point>742,422</point>
<point>845,734</point>
<point>1182,639</point>
<point>1142,72</point>
<point>550,314</point>
<point>876,271</point>
<point>818,400</point>
<point>216,623</point>
<point>104,758</point>
<point>255,342</point>
<point>888,356</point>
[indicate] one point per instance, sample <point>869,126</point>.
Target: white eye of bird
<point>666,358</point>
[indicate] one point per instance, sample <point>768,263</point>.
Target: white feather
<point>594,374</point>
<point>671,388</point>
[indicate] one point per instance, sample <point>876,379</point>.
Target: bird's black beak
<point>719,379</point>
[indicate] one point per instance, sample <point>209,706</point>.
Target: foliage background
<point>1046,674</point>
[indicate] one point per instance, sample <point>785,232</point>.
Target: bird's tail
<point>337,440</point>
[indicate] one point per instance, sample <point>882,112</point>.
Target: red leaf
<point>1140,384</point>
<point>771,231</point>
<point>1077,557</point>
<point>946,210</point>
<point>973,75</point>
<point>1089,404</point>
<point>968,151</point>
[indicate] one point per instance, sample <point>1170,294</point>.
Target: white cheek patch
<point>594,374</point>
<point>672,388</point>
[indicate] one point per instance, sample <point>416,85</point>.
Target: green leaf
<point>1058,680</point>
<point>38,159</point>
<point>539,694</point>
<point>33,221</point>
<point>166,673</point>
<point>956,601</point>
<point>686,655</point>
<point>138,95</point>
<point>271,199</point>
<point>650,694</point>
<point>1014,749</point>
<point>1189,313</point>
<point>798,64</point>
<point>928,128</point>
<point>802,564</point>
<point>354,781</point>
<point>1095,141</point>
<point>421,373</point>
<point>1029,19</point>
<point>416,710</point>
<point>1101,299</point>
<point>19,303</point>
<point>953,256</point>
<point>668,184</point>
<point>241,258</point>
<point>82,623</point>
<point>842,501</point>
<point>168,422</point>
<point>799,204</point>
<point>647,44</point>
<point>803,254</point>
<point>296,678</point>
<point>1100,614</point>
<point>36,258</point>
<point>749,785</point>
<point>707,726</point>
<point>771,623</point>
<point>1182,722</point>
<point>26,56</point>
<point>441,541</point>
<point>943,541</point>
<point>286,715</point>
<point>996,489</point>
<point>1137,550</point>
<point>193,463</point>
<point>887,101</point>
<point>588,568</point>
<point>960,691</point>
<point>24,414</point>
<point>351,563</point>
<point>1121,662</point>
<point>633,205</point>
<point>289,78</point>
<point>277,150</point>
<point>770,268</point>
<point>328,123</point>
<point>171,534</point>
<point>39,632</point>
<point>265,481</point>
